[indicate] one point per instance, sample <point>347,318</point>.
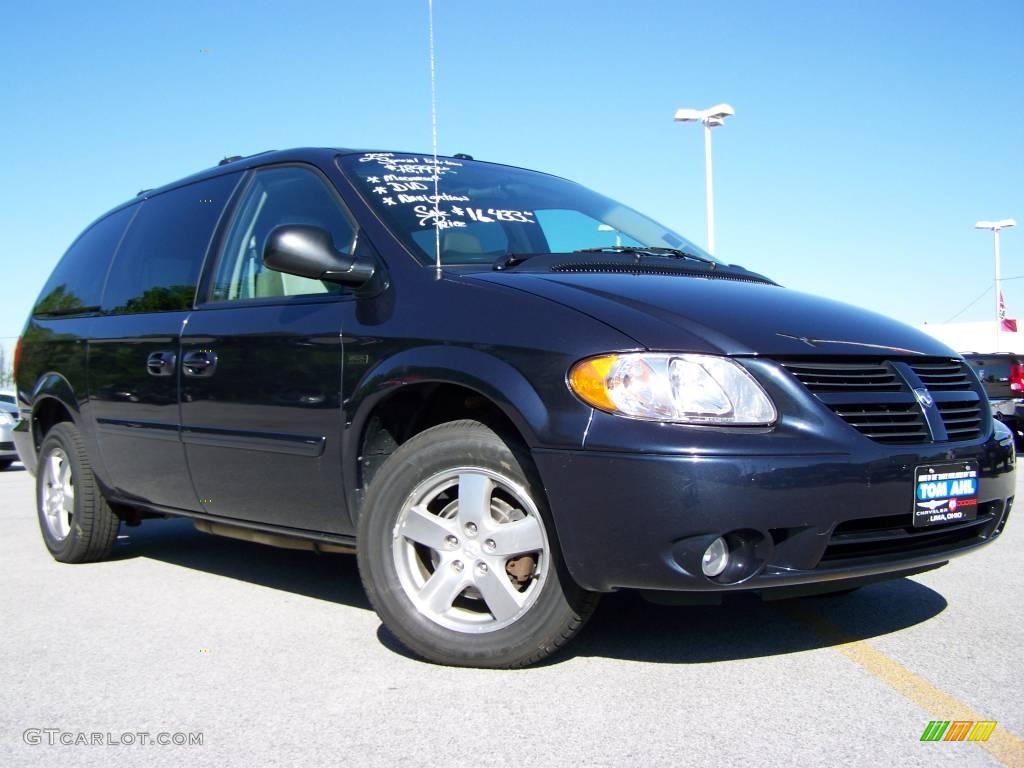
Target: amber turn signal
<point>589,380</point>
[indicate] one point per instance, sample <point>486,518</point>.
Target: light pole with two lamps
<point>711,118</point>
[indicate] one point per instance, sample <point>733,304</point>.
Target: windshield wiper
<point>510,260</point>
<point>644,250</point>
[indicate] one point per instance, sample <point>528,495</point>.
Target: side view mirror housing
<point>307,251</point>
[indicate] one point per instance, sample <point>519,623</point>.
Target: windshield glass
<point>487,211</point>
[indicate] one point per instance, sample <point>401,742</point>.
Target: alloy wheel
<point>57,494</point>
<point>471,550</point>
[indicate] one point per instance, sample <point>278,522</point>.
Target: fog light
<point>716,558</point>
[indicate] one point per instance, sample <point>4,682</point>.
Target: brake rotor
<point>520,569</point>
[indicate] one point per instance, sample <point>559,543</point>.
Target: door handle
<point>201,362</point>
<point>160,363</point>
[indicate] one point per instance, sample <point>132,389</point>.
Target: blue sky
<point>868,137</point>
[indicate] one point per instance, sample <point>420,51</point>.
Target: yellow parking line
<point>1002,745</point>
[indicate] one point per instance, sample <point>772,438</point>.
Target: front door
<point>261,367</point>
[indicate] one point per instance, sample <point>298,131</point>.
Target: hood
<point>724,316</point>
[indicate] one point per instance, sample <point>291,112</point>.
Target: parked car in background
<point>8,416</point>
<point>8,397</point>
<point>508,393</point>
<point>1002,376</point>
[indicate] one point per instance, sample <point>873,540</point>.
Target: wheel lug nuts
<point>458,566</point>
<point>452,541</point>
<point>481,568</point>
<point>471,529</point>
<point>490,545</point>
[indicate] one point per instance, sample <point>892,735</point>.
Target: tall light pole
<point>711,118</point>
<point>995,226</point>
<point>610,228</point>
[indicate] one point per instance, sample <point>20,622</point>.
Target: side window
<point>158,263</point>
<point>566,229</point>
<point>76,285</point>
<point>276,196</point>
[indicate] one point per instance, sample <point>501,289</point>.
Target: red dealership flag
<point>1005,323</point>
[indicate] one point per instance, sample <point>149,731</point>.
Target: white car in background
<point>8,415</point>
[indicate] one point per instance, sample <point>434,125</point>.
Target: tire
<point>497,595</point>
<point>81,529</point>
<point>5,463</point>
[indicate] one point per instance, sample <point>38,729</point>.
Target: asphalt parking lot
<point>275,658</point>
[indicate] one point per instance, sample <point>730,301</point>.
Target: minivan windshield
<point>486,211</point>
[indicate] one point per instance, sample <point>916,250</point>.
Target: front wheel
<point>458,554</point>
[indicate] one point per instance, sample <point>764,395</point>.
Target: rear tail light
<point>1017,377</point>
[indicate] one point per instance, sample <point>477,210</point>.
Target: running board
<point>270,539</point>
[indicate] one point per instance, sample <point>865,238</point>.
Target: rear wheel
<point>76,523</point>
<point>458,555</point>
<point>5,463</point>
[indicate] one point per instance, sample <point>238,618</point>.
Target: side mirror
<point>306,251</point>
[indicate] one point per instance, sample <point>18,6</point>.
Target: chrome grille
<point>876,397</point>
<point>846,377</point>
<point>943,377</point>
<point>896,423</point>
<point>963,420</point>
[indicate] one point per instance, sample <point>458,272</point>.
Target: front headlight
<point>685,389</point>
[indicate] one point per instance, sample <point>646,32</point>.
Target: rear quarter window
<point>158,263</point>
<point>76,284</point>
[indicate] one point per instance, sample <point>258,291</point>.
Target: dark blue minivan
<point>506,393</point>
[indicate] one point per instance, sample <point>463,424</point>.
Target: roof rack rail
<point>235,158</point>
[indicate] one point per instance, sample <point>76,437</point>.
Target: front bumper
<point>631,520</point>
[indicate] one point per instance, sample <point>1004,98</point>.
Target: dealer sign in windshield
<point>945,493</point>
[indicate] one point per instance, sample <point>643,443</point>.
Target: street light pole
<point>711,118</point>
<point>1000,302</point>
<point>709,192</point>
<point>995,226</point>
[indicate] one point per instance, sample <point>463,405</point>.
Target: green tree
<point>59,302</point>
<point>161,299</point>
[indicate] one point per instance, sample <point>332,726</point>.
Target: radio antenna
<point>433,119</point>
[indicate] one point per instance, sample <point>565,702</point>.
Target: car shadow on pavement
<point>330,577</point>
<point>629,628</point>
<point>625,626</point>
